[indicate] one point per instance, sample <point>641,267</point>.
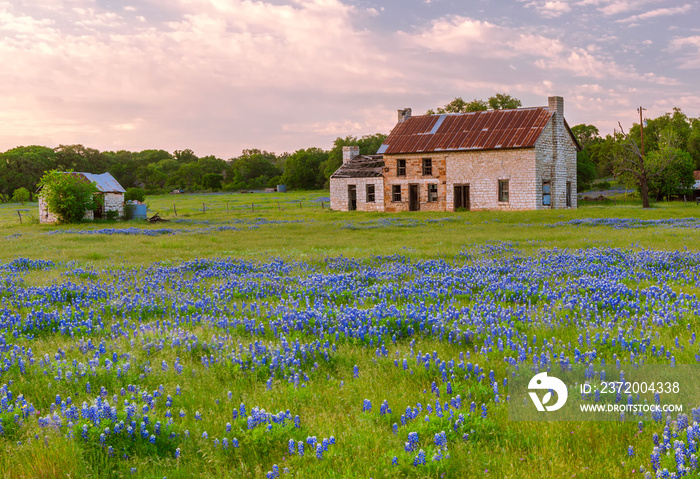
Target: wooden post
<point>227,207</point>
<point>174,209</point>
<point>252,207</point>
<point>20,216</point>
<point>204,208</point>
<point>321,204</point>
<point>278,206</point>
<point>300,205</point>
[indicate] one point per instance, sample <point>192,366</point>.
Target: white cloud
<point>691,59</point>
<point>659,12</point>
<point>550,8</point>
<point>221,75</point>
<point>466,37</point>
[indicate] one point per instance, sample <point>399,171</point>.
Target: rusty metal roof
<point>361,166</point>
<point>479,130</point>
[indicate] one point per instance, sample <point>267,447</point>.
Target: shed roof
<point>105,182</point>
<point>361,166</point>
<point>478,130</point>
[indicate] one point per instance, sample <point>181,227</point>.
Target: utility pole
<point>641,127</point>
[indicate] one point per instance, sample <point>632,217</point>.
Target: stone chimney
<point>556,104</point>
<point>404,114</point>
<point>350,152</point>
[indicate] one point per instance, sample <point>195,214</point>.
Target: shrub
<point>68,195</point>
<point>135,194</point>
<point>20,195</point>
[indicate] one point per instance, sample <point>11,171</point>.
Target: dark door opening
<point>461,197</point>
<point>352,198</point>
<point>413,198</point>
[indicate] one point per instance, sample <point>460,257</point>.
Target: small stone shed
<point>109,188</point>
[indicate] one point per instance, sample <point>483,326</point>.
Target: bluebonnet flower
<point>420,458</point>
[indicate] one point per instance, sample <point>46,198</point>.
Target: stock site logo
<point>548,383</point>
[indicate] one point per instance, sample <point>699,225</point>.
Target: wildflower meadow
<point>291,341</point>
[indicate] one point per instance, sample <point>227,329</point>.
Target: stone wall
<point>45,216</point>
<point>114,202</point>
<point>414,175</point>
<point>556,159</point>
<point>339,193</point>
<point>482,170</point>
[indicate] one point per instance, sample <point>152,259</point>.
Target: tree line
<point>657,156</point>
<point>159,171</point>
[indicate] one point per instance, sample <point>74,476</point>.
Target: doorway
<point>352,198</point>
<point>413,198</point>
<point>461,197</point>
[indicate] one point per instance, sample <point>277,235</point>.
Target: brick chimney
<point>350,152</point>
<point>404,114</point>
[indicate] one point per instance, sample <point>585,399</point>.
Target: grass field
<point>215,344</point>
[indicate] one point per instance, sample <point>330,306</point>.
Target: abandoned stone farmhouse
<point>519,159</point>
<point>111,191</point>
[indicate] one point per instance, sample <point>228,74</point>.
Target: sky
<point>220,76</point>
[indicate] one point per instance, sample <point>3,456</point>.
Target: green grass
<point>311,234</point>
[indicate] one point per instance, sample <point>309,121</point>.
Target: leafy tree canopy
<point>500,101</point>
<point>20,195</point>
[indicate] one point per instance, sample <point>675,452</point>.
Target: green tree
<point>651,169</point>
<point>68,195</point>
<point>674,165</point>
<point>458,105</point>
<point>369,144</point>
<point>188,176</point>
<point>212,181</point>
<point>80,158</point>
<point>302,169</point>
<point>500,101</point>
<point>588,136</point>
<point>585,170</point>
<point>135,194</point>
<point>23,167</point>
<point>20,195</point>
<point>254,169</point>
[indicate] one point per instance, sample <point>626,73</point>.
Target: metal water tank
<point>281,188</point>
<point>136,210</point>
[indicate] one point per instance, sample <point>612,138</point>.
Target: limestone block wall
<point>556,162</point>
<point>339,193</point>
<point>414,175</point>
<point>114,202</point>
<point>45,216</point>
<point>482,170</point>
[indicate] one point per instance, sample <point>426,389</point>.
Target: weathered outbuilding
<point>111,191</point>
<point>359,183</point>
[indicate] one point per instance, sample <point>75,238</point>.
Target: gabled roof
<point>105,182</point>
<point>479,130</point>
<point>361,166</point>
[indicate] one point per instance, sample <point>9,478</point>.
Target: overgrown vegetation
<point>68,195</point>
